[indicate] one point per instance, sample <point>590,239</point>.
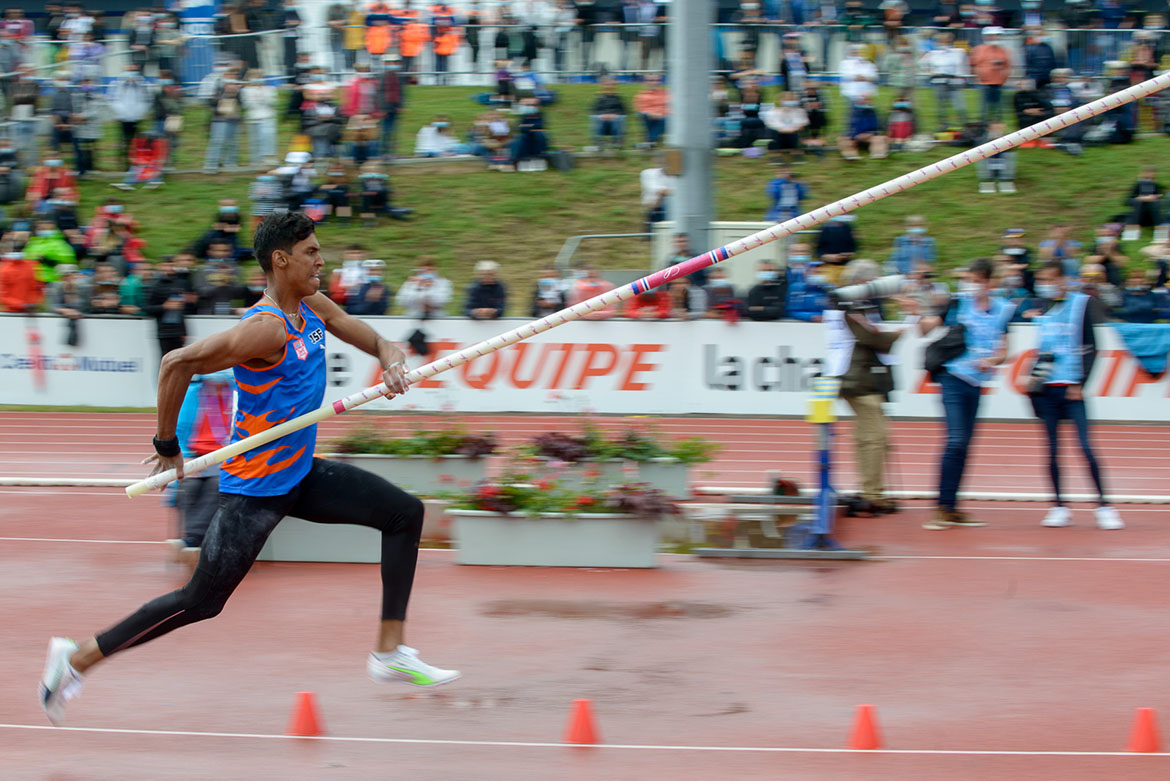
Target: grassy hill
<point>465,213</point>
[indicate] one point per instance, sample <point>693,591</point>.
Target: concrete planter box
<point>666,474</point>
<point>555,540</point>
<point>295,539</point>
<point>419,475</point>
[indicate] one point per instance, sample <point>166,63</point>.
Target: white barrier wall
<point>614,366</point>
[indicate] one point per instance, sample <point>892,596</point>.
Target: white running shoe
<point>1007,188</point>
<point>404,666</point>
<point>986,187</point>
<point>1107,518</point>
<point>60,683</point>
<point>1058,516</point>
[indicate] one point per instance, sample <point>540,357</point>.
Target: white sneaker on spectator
<point>1058,516</point>
<point>1131,234</point>
<point>986,187</point>
<point>1107,518</point>
<point>1162,234</point>
<point>1007,188</point>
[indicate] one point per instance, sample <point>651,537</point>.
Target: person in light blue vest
<point>1065,356</point>
<point>984,319</point>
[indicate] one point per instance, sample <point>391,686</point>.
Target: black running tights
<point>331,493</point>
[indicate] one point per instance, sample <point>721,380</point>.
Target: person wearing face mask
<point>590,286</point>
<point>984,319</point>
<point>1138,304</point>
<point>1145,202</point>
<point>390,99</point>
<point>49,248</point>
<point>900,67</point>
<point>766,299</point>
<point>992,64</point>
<point>1020,255</point>
<point>130,101</point>
<point>913,247</point>
<point>722,298</point>
<point>807,295</point>
<point>436,139</point>
<point>1039,58</point>
<point>1066,353</point>
<point>836,245</point>
<point>786,192</point>
<point>548,295</point>
<point>947,67</point>
<point>794,64</point>
<point>786,122</point>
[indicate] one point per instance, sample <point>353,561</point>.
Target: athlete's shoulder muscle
<point>257,338</point>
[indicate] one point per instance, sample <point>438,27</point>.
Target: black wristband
<point>167,448</point>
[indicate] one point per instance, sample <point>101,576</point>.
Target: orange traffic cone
<point>864,734</point>
<point>581,729</point>
<point>1144,738</point>
<point>305,721</point>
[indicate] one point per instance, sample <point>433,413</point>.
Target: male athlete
<point>278,353</point>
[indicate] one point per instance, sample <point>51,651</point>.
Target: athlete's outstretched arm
<point>254,339</point>
<point>353,331</point>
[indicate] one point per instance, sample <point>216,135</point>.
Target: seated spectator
<point>653,106</point>
<point>650,305</point>
<point>786,192</point>
<point>836,245</point>
<point>350,276</point>
<point>20,290</point>
<point>376,194</point>
<point>1021,256</point>
<point>62,210</point>
<point>747,111</point>
<point>220,252</point>
<point>1138,303</point>
<point>335,191</point>
<point>903,125</point>
<point>1058,246</point>
<point>807,294</point>
<point>687,301</point>
<point>225,228</point>
<point>722,298</point>
<point>296,178</point>
<point>148,155</point>
<point>1063,96</point>
<point>765,300</point>
<point>998,169</point>
<point>487,298</point>
<point>865,130</point>
<point>361,133</point>
<point>812,100</point>
<point>549,294</point>
<point>69,297</point>
<point>657,188</point>
<point>590,286</point>
<point>1010,285</point>
<point>103,292</point>
<point>924,292</point>
<point>47,179</point>
<point>682,251</point>
<point>374,296</point>
<point>607,118</point>
<point>132,289</point>
<point>913,247</point>
<point>1109,255</point>
<point>1031,106</point>
<point>259,100</point>
<point>786,121</point>
<point>426,293</point>
<point>491,137</point>
<point>123,246</point>
<point>437,140</point>
<point>49,248</point>
<point>1096,284</point>
<point>1145,203</point>
<point>531,144</point>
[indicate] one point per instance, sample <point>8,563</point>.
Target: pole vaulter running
<point>277,352</point>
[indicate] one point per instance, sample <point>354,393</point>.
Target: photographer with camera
<point>962,361</point>
<point>859,354</point>
<point>1064,360</point>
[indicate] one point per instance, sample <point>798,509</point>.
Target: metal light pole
<point>689,80</point>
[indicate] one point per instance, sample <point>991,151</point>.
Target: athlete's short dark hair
<point>280,231</point>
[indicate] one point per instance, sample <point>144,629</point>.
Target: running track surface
<point>1005,457</point>
<point>1010,638</point>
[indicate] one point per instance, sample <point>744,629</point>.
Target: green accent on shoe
<point>417,678</point>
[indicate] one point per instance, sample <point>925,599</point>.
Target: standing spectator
<point>1067,350</point>
<point>23,94</point>
<point>836,245</point>
<point>473,23</point>
<point>85,58</point>
<point>786,192</point>
<point>859,76</point>
<point>548,296</point>
<point>985,320</point>
<point>1138,302</point>
<point>649,305</point>
<point>166,303</point>
<point>48,179</point>
<point>266,195</point>
<point>1145,203</point>
<point>335,20</point>
<point>766,299</point>
<point>291,25</point>
<point>140,37</point>
<point>448,39</point>
<point>786,122</point>
<point>391,95</point>
<point>901,69</point>
<point>992,64</point>
<point>413,39</point>
<point>169,41</point>
<point>258,100</point>
<point>947,68</point>
<point>682,251</point>
<point>687,301</point>
<point>1018,253</point>
<point>590,286</point>
<point>812,101</point>
<point>354,36</point>
<point>373,296</point>
<point>487,298</point>
<point>653,105</point>
<point>19,289</point>
<point>168,113</point>
<point>61,108</point>
<point>859,356</point>
<point>657,188</point>
<point>608,117</point>
<point>794,63</point>
<point>1039,58</point>
<point>426,293</point>
<point>998,169</point>
<point>914,247</point>
<point>130,101</point>
<point>223,146</point>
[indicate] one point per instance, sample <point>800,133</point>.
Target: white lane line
<point>599,746</point>
<point>92,542</point>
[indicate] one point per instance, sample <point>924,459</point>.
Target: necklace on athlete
<point>273,300</point>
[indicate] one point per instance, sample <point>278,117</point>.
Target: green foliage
<point>630,445</point>
<point>431,444</point>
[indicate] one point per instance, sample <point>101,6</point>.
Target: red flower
<point>543,485</point>
<point>586,501</point>
<point>446,478</point>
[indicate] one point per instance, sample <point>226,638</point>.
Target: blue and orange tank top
<point>292,386</point>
